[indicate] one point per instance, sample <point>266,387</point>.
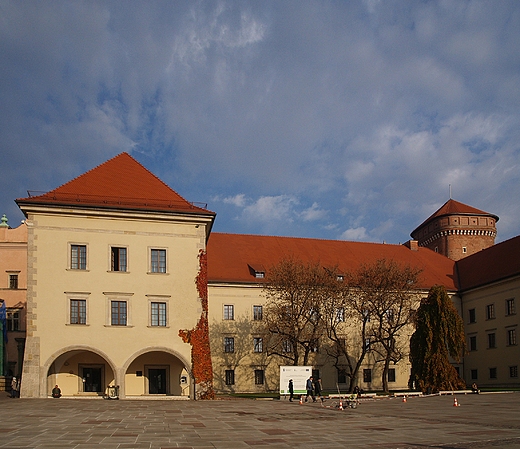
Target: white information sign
<point>299,376</point>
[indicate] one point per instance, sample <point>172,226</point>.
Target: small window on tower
<point>464,250</point>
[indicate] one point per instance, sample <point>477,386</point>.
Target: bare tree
<point>387,293</point>
<point>295,294</point>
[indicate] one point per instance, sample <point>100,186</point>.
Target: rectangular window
<point>229,312</point>
<point>230,377</point>
<point>118,313</point>
<point>258,344</point>
<point>229,344</point>
<point>259,376</point>
<point>13,281</point>
<point>511,337</point>
<point>473,343</point>
<point>118,259</point>
<point>513,371</point>
<point>472,316</point>
<point>492,373</point>
<point>342,376</point>
<point>258,313</point>
<point>78,311</point>
<point>474,374</point>
<point>340,314</point>
<point>490,311</point>
<point>367,375</point>
<point>158,261</point>
<point>491,340</point>
<point>286,346</point>
<point>367,344</point>
<point>510,306</point>
<point>158,314</point>
<point>391,375</point>
<point>78,257</point>
<point>13,317</point>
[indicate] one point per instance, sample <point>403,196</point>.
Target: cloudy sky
<point>324,119</point>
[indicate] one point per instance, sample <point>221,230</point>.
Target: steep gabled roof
<point>120,183</point>
<point>231,256</point>
<point>452,207</point>
<point>490,265</point>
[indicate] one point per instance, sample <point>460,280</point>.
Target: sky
<point>347,120</point>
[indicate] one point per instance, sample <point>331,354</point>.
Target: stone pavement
<point>481,421</point>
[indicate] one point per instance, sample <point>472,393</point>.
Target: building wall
<point>13,262</point>
<point>485,365</point>
<point>55,346</point>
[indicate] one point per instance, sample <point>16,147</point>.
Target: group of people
<point>312,386</point>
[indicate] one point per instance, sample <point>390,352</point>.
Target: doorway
<point>157,380</point>
<point>92,377</point>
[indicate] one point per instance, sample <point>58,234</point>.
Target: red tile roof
<point>230,257</point>
<point>493,264</point>
<point>452,207</point>
<point>121,183</point>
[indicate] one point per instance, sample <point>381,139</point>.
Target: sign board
<point>299,375</point>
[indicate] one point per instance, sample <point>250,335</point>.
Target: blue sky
<point>324,119</point>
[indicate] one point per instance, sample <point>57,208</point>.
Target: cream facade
<point>108,292</point>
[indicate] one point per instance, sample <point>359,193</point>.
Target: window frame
<point>472,318</point>
<point>229,377</point>
<point>121,317</point>
<point>258,345</point>
<point>511,337</point>
<point>490,311</point>
<point>13,323</point>
<point>367,375</point>
<point>472,343</point>
<point>492,340</point>
<point>510,307</point>
<point>117,296</point>
<point>155,266</point>
<point>259,377</point>
<point>258,313</point>
<point>79,264</point>
<point>229,345</point>
<point>226,316</point>
<point>81,317</point>
<point>14,281</point>
<point>112,259</point>
<point>161,321</point>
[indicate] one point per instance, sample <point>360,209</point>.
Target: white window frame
<point>118,296</point>
<point>78,296</point>
<point>159,299</point>
<point>225,314</point>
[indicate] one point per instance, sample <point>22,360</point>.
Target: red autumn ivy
<point>199,337</point>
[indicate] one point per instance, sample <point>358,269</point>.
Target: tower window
<point>464,250</point>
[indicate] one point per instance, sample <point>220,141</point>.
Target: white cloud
<point>359,234</point>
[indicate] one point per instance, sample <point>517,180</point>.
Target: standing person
<point>317,388</point>
<point>291,390</point>
<point>310,389</point>
<point>14,387</point>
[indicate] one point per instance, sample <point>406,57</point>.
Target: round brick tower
<point>457,230</point>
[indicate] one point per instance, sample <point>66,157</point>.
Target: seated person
<point>56,392</point>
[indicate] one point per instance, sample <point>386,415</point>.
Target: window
<point>367,344</point>
<point>513,371</point>
<point>118,259</point>
<point>511,337</point>
<point>158,261</point>
<point>158,314</point>
<point>391,375</point>
<point>78,257</point>
<point>258,344</point>
<point>472,316</point>
<point>492,373</point>
<point>510,306</point>
<point>259,274</point>
<point>314,345</point>
<point>342,376</point>
<point>367,375</point>
<point>13,281</point>
<point>313,315</point>
<point>473,343</point>
<point>258,313</point>
<point>464,250</point>
<point>490,311</point>
<point>286,346</point>
<point>491,340</point>
<point>229,312</point>
<point>474,374</point>
<point>230,377</point>
<point>229,344</point>
<point>13,317</point>
<point>340,315</point>
<point>259,376</point>
<point>118,313</point>
<point>78,311</point>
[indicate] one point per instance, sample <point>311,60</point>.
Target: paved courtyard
<point>481,421</point>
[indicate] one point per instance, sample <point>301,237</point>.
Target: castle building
<point>128,287</point>
<point>457,230</point>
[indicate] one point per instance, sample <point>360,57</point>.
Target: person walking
<point>291,390</point>
<point>318,388</point>
<point>14,387</point>
<point>310,389</point>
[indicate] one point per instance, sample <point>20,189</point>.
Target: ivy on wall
<point>198,337</point>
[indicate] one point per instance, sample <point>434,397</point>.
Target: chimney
<point>412,244</point>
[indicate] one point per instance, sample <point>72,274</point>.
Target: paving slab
<point>480,421</point>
